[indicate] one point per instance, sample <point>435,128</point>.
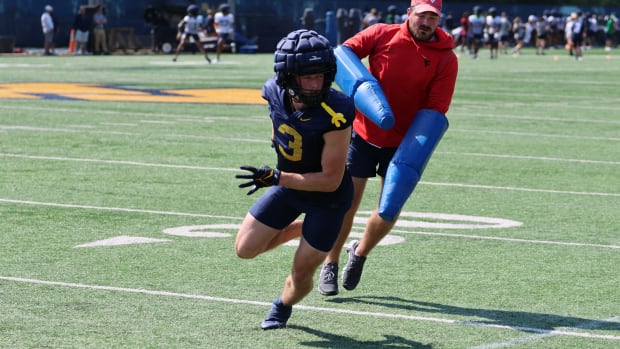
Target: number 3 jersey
<point>298,135</point>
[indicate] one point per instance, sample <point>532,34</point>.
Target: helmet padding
<point>304,52</point>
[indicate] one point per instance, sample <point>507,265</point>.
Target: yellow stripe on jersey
<point>337,118</point>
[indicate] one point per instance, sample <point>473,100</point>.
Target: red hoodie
<point>413,76</point>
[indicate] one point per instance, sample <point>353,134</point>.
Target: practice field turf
<point>119,207</point>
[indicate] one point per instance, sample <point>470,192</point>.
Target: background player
<point>190,25</point>
<point>224,23</point>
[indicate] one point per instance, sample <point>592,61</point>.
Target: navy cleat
<point>328,280</point>
<point>353,270</point>
<point>278,316</point>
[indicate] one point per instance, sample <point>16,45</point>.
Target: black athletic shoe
<point>353,270</point>
<point>208,59</point>
<point>278,316</point>
<point>328,280</point>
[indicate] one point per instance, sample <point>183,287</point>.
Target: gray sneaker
<point>353,270</point>
<point>328,280</point>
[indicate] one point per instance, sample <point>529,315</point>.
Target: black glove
<point>260,177</point>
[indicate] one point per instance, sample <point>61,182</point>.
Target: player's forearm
<point>313,181</point>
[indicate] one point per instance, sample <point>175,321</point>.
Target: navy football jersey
<point>299,134</point>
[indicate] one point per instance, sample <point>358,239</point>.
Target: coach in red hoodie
<point>416,68</point>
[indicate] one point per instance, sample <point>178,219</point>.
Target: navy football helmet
<point>224,8</point>
<point>192,10</point>
<point>304,52</point>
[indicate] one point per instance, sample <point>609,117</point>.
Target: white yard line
<point>160,122</point>
<point>536,134</point>
<point>122,133</point>
<point>66,130</point>
<point>261,118</point>
<point>116,209</point>
<point>493,187</point>
<point>118,162</point>
<point>186,214</point>
<point>539,336</point>
<point>462,99</point>
<point>81,111</point>
<point>122,124</point>
<point>497,238</point>
<point>211,119</point>
<point>146,164</point>
<point>570,332</point>
<point>527,157</point>
<point>539,118</point>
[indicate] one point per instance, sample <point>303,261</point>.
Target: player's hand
<point>260,177</point>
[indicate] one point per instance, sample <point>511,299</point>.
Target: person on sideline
<point>476,23</point>
<point>578,33</point>
<point>224,23</point>
<point>505,28</point>
<point>101,21</point>
<point>568,33</point>
<point>611,23</point>
<point>416,67</point>
<point>190,26</point>
<point>81,25</point>
<point>493,22</point>
<point>518,29</point>
<point>47,25</point>
<point>542,29</point>
<point>463,40</point>
<point>311,133</point>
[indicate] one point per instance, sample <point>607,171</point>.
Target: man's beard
<point>423,35</point>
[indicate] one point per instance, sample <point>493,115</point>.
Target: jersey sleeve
<point>269,91</point>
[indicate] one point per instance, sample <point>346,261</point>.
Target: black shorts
<point>366,160</point>
<point>324,212</point>
<point>226,37</point>
<point>194,36</point>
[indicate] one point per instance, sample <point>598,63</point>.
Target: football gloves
<point>260,177</point>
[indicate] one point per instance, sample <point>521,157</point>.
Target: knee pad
<point>409,161</point>
<point>356,81</point>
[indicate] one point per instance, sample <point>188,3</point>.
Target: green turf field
<point>119,206</point>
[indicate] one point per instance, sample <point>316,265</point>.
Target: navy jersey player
<point>311,133</point>
<point>190,26</point>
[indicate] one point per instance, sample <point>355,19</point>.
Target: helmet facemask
<point>305,96</point>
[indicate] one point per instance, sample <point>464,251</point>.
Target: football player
<point>311,133</point>
<point>190,25</point>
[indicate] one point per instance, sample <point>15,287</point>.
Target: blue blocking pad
<point>409,161</point>
<point>356,81</point>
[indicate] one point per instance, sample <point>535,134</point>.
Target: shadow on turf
<point>337,341</point>
<point>519,320</point>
